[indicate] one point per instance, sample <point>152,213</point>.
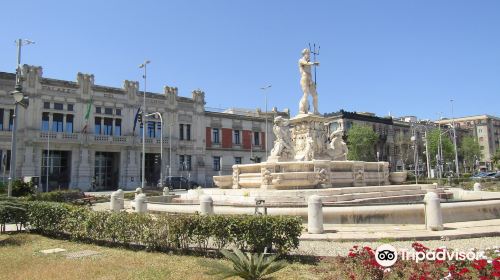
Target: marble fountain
<point>309,159</point>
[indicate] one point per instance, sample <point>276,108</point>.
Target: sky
<point>387,56</point>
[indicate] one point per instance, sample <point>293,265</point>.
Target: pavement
<point>369,233</point>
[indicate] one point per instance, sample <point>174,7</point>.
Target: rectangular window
<point>158,130</point>
<point>216,165</point>
<point>97,126</point>
<point>188,132</point>
<point>69,123</point>
<point>11,119</point>
<point>215,136</point>
<point>58,106</point>
<point>181,131</point>
<point>188,162</point>
<point>237,160</point>
<point>118,112</point>
<point>118,127</point>
<point>46,105</point>
<point>1,119</point>
<point>256,138</point>
<point>236,137</point>
<point>151,130</point>
<point>181,162</point>
<point>70,107</point>
<point>108,111</point>
<point>98,110</point>
<point>185,162</point>
<point>108,126</point>
<point>57,122</point>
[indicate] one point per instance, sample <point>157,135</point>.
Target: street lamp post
<point>144,126</point>
<point>170,148</point>
<point>18,98</point>
<point>454,140</point>
<point>161,144</point>
<point>265,98</point>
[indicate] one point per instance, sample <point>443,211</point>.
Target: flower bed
<point>361,263</point>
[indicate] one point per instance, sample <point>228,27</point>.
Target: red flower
<point>352,255</point>
<point>484,278</point>
<point>419,247</point>
<point>496,264</point>
<point>479,264</point>
<point>368,249</point>
<point>452,268</point>
<point>352,276</point>
<point>463,271</point>
<point>355,247</point>
<point>495,273</point>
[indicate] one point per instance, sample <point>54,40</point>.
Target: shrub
<point>247,266</point>
<point>20,188</point>
<point>12,211</point>
<point>3,188</point>
<point>57,196</point>
<point>165,231</point>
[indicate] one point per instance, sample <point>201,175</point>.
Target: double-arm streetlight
<point>19,98</point>
<point>144,125</point>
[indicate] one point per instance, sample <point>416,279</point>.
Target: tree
<point>496,158</point>
<point>404,147</point>
<point>447,145</point>
<point>470,150</point>
<point>361,142</point>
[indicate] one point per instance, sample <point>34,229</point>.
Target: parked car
<point>179,182</point>
<point>483,175</point>
<point>495,175</point>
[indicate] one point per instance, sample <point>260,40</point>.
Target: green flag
<point>87,115</point>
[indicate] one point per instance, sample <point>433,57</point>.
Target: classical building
<point>486,129</point>
<point>394,144</point>
<point>83,135</point>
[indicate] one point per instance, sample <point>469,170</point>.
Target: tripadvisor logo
<point>386,255</point>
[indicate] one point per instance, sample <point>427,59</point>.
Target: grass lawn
<point>20,258</point>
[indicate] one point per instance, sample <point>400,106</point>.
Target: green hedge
<point>12,211</point>
<point>57,196</point>
<point>167,231</point>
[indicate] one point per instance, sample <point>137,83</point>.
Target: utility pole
<point>454,140</point>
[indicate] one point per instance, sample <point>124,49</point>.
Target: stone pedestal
<point>309,137</point>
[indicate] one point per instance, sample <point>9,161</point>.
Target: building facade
<point>85,136</point>
<point>486,130</point>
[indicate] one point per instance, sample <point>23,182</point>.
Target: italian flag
<point>87,115</point>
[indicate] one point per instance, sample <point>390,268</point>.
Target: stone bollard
<point>315,215</point>
<point>477,187</point>
<point>166,191</point>
<point>140,203</point>
<point>121,198</point>
<point>433,214</point>
<point>206,205</point>
<point>115,202</point>
<point>138,191</point>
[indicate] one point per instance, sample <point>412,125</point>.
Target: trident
<point>314,52</point>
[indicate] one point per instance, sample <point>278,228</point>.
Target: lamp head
<point>18,95</point>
